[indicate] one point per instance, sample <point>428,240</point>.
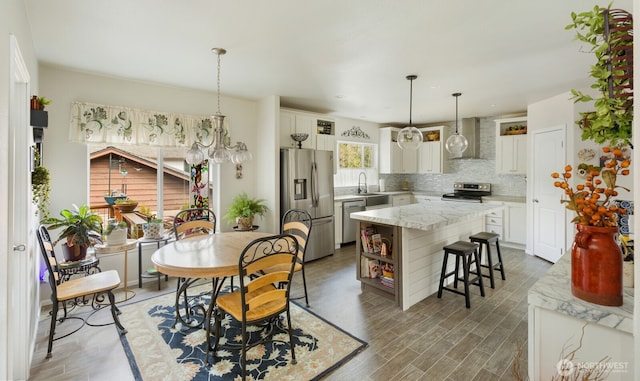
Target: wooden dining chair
<point>187,224</point>
<point>297,222</point>
<point>74,289</point>
<point>258,299</point>
<point>194,222</point>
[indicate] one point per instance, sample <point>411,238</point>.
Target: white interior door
<point>22,293</point>
<point>548,213</point>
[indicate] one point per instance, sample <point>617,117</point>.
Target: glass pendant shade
<point>194,156</point>
<point>456,145</point>
<point>219,155</point>
<point>409,138</point>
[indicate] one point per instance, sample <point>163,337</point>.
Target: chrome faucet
<point>360,190</point>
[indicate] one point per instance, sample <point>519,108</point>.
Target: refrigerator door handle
<point>314,185</point>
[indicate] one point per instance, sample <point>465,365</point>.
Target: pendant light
<point>220,151</point>
<point>456,144</point>
<point>410,137</point>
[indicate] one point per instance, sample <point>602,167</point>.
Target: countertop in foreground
<point>553,292</point>
<point>433,215</point>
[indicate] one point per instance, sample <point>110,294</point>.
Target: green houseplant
<point>243,209</point>
<point>609,35</point>
<point>40,185</point>
<point>41,189</point>
<point>81,229</point>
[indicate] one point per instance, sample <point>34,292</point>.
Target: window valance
<point>96,123</point>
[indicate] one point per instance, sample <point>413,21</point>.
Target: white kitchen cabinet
<point>515,221</point>
<point>326,142</point>
<point>337,218</point>
<point>493,222</point>
<point>401,199</point>
<point>393,159</point>
<point>293,122</point>
<point>430,151</point>
<point>511,145</point>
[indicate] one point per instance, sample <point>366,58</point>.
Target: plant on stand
<point>596,258</point>
<point>243,209</point>
<point>81,228</point>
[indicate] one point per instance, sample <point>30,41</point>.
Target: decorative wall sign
<point>355,132</point>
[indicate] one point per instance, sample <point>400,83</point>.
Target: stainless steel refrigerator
<point>306,182</point>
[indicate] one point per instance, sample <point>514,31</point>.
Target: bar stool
<point>468,253</point>
<point>486,238</point>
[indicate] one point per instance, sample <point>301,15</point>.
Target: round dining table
<point>211,256</point>
<point>206,256</point>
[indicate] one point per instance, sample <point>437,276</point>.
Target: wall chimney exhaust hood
<point>470,129</point>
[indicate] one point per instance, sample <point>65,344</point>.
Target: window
<point>356,155</point>
<point>353,159</point>
<point>133,170</point>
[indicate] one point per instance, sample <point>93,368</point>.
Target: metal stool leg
<point>443,274</point>
<point>500,259</point>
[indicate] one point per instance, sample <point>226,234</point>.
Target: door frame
<point>20,297</point>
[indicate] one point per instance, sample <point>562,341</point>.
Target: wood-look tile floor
<point>437,339</point>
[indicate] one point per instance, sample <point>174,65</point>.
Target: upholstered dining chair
<point>73,289</point>
<point>259,299</point>
<point>297,222</point>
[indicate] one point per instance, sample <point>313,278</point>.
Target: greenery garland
<point>40,186</point>
<point>612,120</point>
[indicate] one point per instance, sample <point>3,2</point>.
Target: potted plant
<point>596,258</point>
<point>243,209</point>
<point>609,34</point>
<point>81,229</point>
<point>116,233</point>
<point>40,189</point>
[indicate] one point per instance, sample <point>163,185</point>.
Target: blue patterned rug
<point>156,351</point>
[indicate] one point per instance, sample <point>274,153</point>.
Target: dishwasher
<point>348,225</point>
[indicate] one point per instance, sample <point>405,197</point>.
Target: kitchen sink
<point>371,199</point>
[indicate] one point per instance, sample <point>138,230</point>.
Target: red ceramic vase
<point>596,266</point>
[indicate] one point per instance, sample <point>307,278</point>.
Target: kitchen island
<point>416,234</point>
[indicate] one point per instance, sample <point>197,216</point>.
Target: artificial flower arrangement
<point>592,201</point>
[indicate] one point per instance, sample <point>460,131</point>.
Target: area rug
<point>156,351</point>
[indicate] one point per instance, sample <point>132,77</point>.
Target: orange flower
<point>591,200</point>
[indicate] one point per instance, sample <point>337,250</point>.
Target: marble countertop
<point>348,197</point>
<point>433,215</point>
<point>553,292</point>
<point>500,198</point>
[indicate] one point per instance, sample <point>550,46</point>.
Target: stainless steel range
<point>468,192</point>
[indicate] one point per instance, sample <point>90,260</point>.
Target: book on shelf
<point>388,282</point>
<point>376,242</point>
<point>364,267</point>
<point>374,268</point>
<point>367,240</point>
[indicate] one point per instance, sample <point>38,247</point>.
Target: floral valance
<point>95,123</point>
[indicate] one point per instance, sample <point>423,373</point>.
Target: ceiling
<point>344,58</point>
